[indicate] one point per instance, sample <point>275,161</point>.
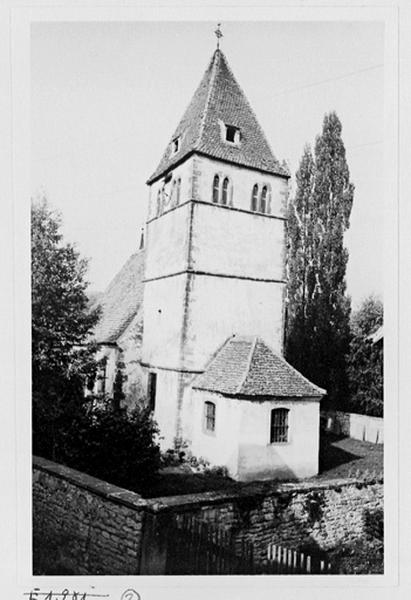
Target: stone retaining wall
<point>317,515</point>
<point>91,526</point>
<point>102,527</point>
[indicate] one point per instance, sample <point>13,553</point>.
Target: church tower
<point>215,244</point>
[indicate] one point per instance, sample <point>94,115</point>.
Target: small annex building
<point>195,321</point>
<point>267,413</point>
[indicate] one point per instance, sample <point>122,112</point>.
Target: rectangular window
<point>279,425</point>
<point>209,416</point>
<point>151,391</point>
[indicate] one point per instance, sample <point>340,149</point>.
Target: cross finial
<point>218,34</point>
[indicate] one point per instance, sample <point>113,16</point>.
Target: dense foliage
<point>365,361</point>
<point>62,358</point>
<point>99,438</point>
<point>318,333</point>
<point>366,555</point>
<point>113,444</point>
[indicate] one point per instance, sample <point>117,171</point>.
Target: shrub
<point>363,557</point>
<point>113,444</point>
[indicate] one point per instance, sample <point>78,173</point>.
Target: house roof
<point>246,366</point>
<point>220,101</point>
<point>121,300</point>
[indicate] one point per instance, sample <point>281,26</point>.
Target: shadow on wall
<point>305,529</point>
<point>263,463</point>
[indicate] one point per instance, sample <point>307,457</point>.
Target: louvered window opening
<point>263,200</point>
<point>224,199</point>
<point>254,198</point>
<point>209,422</point>
<point>279,425</point>
<point>216,188</point>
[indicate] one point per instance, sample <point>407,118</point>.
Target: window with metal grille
<point>216,188</point>
<point>279,425</point>
<point>209,416</point>
<point>254,198</point>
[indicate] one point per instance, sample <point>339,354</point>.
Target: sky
<point>106,98</point>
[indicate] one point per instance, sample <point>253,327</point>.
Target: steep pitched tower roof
<point>217,102</point>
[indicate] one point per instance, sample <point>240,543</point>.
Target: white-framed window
<point>279,426</point>
<point>209,416</point>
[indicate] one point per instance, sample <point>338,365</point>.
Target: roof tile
<point>217,99</point>
<point>121,300</point>
<point>246,366</point>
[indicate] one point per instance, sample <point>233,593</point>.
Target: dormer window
<point>175,145</point>
<point>232,134</point>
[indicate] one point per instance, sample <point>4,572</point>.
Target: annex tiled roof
<point>246,366</point>
<point>121,301</point>
<point>220,100</point>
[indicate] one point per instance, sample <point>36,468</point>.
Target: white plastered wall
<point>241,440</point>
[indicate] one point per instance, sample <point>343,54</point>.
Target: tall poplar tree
<point>318,332</point>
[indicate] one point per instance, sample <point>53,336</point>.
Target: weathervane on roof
<point>218,34</point>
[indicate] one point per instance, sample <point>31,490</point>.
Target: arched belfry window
<point>254,198</point>
<point>224,199</point>
<point>158,202</point>
<point>263,200</point>
<point>178,190</point>
<point>216,188</point>
<point>279,425</point>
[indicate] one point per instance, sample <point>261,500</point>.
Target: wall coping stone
<point>332,413</point>
<point>256,489</point>
<point>92,484</point>
<point>164,503</point>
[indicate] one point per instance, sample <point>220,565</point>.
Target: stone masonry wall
<point>100,529</point>
<point>317,515</point>
<point>96,528</point>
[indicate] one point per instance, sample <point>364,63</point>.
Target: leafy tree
<point>100,438</point>
<point>62,358</point>
<point>365,362</point>
<point>318,334</point>
<point>113,444</point>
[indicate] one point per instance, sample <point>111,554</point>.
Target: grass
<point>174,484</point>
<point>338,457</point>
